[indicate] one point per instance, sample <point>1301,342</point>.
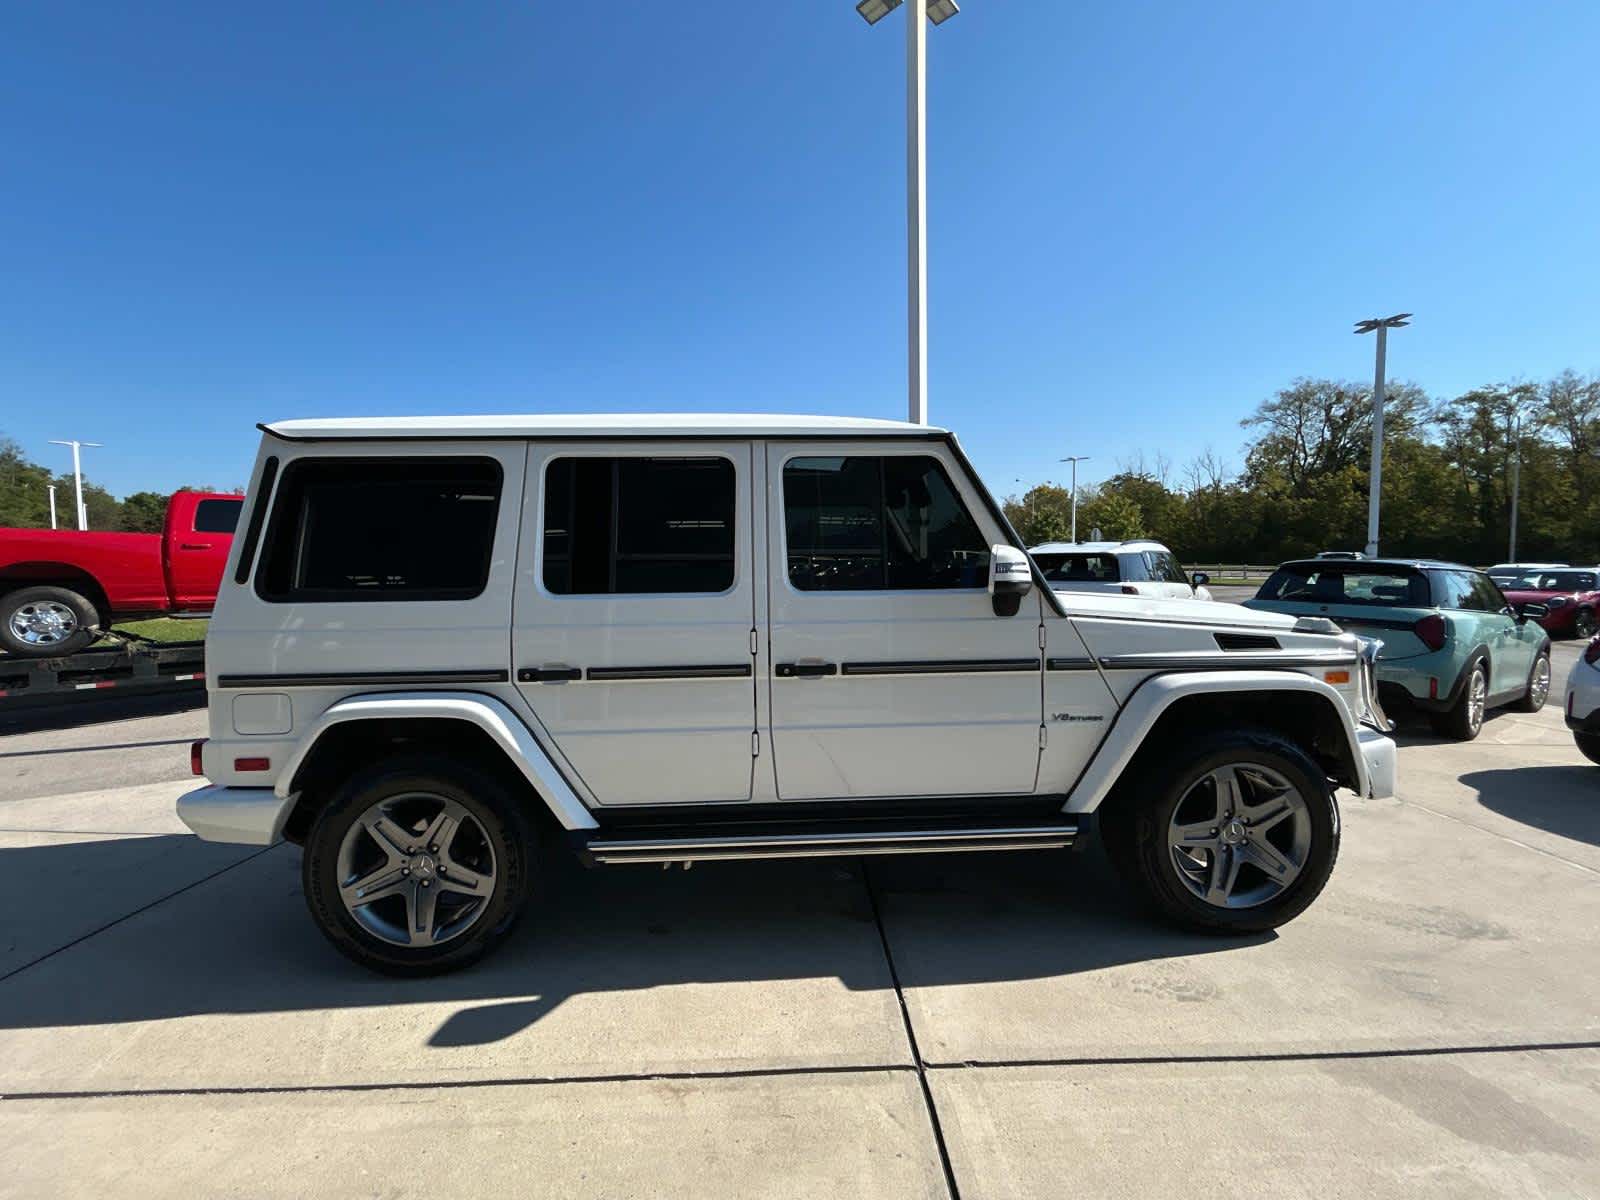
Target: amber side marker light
<point>195,767</point>
<point>1336,677</point>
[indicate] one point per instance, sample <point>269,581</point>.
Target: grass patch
<point>165,629</point>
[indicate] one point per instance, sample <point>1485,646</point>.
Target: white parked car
<point>1135,568</point>
<point>1505,574</point>
<point>443,644</point>
<point>1583,701</point>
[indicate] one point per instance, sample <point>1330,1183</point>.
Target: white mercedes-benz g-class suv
<point>444,645</point>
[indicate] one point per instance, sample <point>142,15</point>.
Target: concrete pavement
<point>172,1024</point>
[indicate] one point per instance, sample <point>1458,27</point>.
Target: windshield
<point>1346,583</point>
<point>1078,568</point>
<point>1550,581</point>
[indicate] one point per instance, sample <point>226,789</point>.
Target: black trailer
<point>133,666</point>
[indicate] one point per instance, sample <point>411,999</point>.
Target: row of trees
<point>1447,478</point>
<point>25,502</point>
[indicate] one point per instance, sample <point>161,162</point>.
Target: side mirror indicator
<point>1010,579</point>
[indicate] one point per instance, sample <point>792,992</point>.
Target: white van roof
<point>596,425</point>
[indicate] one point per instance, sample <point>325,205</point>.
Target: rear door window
<point>638,526</point>
<point>1079,568</point>
<point>387,529</point>
<point>217,516</point>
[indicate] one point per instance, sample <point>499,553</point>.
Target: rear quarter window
<point>346,530</point>
<point>217,516</point>
<point>1079,568</point>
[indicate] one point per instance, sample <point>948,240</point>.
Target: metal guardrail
<point>1224,572</point>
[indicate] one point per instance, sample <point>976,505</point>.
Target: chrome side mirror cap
<point>1010,579</point>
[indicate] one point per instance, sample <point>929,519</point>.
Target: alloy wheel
<point>1240,835</point>
<point>1539,685</point>
<point>416,869</point>
<point>1477,698</point>
<point>43,622</point>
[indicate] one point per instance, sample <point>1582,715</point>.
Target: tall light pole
<point>51,488</point>
<point>938,12</point>
<point>1375,479</point>
<point>1075,459</point>
<point>77,476</point>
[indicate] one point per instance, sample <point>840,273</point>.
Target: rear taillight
<point>1431,630</point>
<point>195,765</point>
<point>1591,652</point>
<point>1129,590</point>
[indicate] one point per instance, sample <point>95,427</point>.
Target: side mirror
<point>1532,611</point>
<point>1010,579</point>
<point>1200,578</point>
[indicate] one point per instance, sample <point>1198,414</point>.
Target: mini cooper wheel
<point>418,866</point>
<point>1237,832</point>
<point>1538,692</point>
<point>1583,624</point>
<point>46,622</point>
<point>1464,721</point>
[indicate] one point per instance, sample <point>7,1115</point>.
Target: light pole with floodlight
<point>938,12</point>
<point>1375,479</point>
<point>1075,459</point>
<point>77,476</point>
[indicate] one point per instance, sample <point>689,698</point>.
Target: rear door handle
<point>194,545</point>
<point>806,670</point>
<point>548,674</point>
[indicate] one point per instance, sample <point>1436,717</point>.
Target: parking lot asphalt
<point>171,1024</point>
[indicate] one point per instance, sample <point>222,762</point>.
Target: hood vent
<point>1247,641</point>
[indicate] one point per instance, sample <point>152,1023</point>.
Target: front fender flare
<point>1159,692</point>
<point>487,713</point>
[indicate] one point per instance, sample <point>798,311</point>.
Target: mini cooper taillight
<point>1431,630</point>
<point>1591,652</point>
<point>195,765</point>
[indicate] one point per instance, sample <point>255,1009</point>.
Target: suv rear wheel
<point>418,866</point>
<point>1236,832</point>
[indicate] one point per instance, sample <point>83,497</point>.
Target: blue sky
<point>1143,217</point>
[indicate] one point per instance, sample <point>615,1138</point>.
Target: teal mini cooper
<point>1453,647</point>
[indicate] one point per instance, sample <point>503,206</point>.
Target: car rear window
<point>1551,581</point>
<point>1323,583</point>
<point>217,516</point>
<point>351,529</point>
<point>1079,568</point>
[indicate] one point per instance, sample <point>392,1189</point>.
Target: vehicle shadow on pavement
<point>242,942</point>
<point>1561,799</point>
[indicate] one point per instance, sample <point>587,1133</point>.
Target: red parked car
<point>58,587</point>
<point>1571,594</point>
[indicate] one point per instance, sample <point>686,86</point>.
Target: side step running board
<point>815,845</point>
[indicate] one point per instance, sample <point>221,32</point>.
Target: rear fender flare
<point>487,713</point>
<point>1159,692</point>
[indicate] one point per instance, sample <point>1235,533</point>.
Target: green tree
<point>144,512</point>
<point>1044,514</point>
<point>1116,516</point>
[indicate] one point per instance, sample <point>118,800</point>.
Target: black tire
<point>1533,698</point>
<point>1588,745</point>
<point>84,618</point>
<point>505,830</point>
<point>1462,722</point>
<point>1152,799</point>
<point>1583,624</point>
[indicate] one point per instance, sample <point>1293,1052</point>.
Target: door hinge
<point>752,641</point>
<point>1041,635</point>
<point>755,744</point>
<point>1044,736</point>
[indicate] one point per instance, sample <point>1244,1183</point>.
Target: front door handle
<point>806,670</point>
<point>194,545</point>
<point>548,674</point>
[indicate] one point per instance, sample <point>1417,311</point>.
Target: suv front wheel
<point>1236,832</point>
<point>418,866</point>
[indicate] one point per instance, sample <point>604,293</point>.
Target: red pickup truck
<point>59,586</point>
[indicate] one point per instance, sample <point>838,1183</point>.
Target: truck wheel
<point>46,622</point>
<point>1538,692</point>
<point>1234,832</point>
<point>418,866</point>
<point>1465,720</point>
<point>1588,745</point>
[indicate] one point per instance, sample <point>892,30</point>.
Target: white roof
<point>1133,547</point>
<point>596,425</point>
